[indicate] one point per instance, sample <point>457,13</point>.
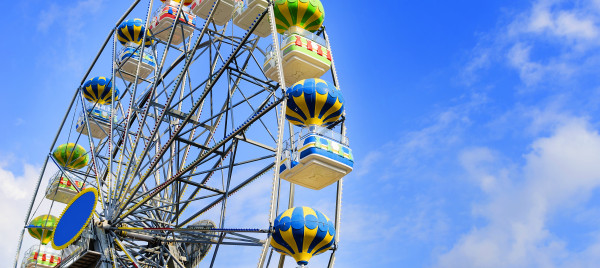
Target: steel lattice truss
<point>179,135</point>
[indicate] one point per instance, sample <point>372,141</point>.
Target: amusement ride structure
<point>190,98</point>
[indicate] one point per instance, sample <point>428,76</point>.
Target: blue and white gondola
<point>130,34</point>
<point>320,157</point>
<point>99,93</point>
<point>316,162</point>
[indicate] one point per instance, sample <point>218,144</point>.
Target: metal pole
<point>292,185</point>
<point>281,127</point>
<point>338,199</point>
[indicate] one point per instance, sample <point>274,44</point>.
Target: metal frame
<point>172,137</point>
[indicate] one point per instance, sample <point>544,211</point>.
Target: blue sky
<point>473,123</point>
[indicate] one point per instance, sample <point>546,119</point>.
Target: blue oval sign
<point>75,218</point>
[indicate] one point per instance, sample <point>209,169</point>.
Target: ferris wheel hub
<point>103,224</point>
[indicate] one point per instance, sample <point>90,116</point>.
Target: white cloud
<point>480,60</point>
<point>530,72</point>
<point>15,195</point>
<point>365,164</point>
<point>533,72</point>
<point>446,129</point>
<point>570,24</point>
<point>15,198</point>
<point>553,41</point>
<point>560,173</point>
<point>475,161</point>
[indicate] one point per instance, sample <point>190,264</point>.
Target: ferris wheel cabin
<point>41,256</point>
<point>81,252</point>
<point>128,60</point>
<point>223,13</point>
<point>164,19</point>
<point>99,121</point>
<point>305,55</point>
<point>62,189</point>
<point>320,158</point>
<point>243,17</point>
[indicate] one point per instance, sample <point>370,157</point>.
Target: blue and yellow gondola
<point>302,232</point>
<point>99,90</point>
<point>314,102</point>
<point>132,31</point>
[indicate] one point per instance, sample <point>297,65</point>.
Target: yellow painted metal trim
<point>87,190</point>
<point>125,251</point>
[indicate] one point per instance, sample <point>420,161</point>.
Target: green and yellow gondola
<point>42,228</point>
<point>71,155</point>
<point>307,14</point>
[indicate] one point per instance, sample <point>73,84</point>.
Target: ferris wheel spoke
<point>163,150</point>
<point>161,153</point>
<point>130,257</point>
<point>204,180</point>
<point>254,80</point>
<point>146,193</point>
<point>231,192</point>
<point>225,167</point>
<point>214,256</point>
<point>177,203</point>
<point>193,195</point>
<point>219,115</point>
<point>261,121</point>
<point>187,61</point>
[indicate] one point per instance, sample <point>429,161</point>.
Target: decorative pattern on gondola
<point>170,12</point>
<point>100,115</point>
<point>42,259</point>
<point>185,2</point>
<point>132,52</point>
<point>71,155</point>
<point>327,147</point>
<point>99,90</point>
<point>65,183</point>
<point>312,48</point>
<point>314,102</point>
<point>132,31</point>
<point>302,232</point>
<point>308,14</point>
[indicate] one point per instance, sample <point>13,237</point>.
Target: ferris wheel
<point>178,114</point>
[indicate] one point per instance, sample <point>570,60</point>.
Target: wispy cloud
<point>70,20</point>
<point>552,42</point>
<point>576,24</point>
<point>532,72</point>
<point>442,130</point>
<point>560,173</point>
<point>70,16</point>
<point>48,17</point>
